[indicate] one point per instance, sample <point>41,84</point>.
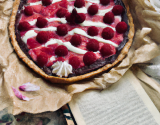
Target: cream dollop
<point>62,68</point>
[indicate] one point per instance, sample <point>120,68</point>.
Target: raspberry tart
<point>70,40</point>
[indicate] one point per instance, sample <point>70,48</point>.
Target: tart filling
<point>71,38</point>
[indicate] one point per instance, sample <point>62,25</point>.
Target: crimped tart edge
<point>58,80</point>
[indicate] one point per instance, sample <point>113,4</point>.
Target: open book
<point>124,103</point>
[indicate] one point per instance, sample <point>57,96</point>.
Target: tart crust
<point>58,80</point>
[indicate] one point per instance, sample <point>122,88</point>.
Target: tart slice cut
<point>70,40</point>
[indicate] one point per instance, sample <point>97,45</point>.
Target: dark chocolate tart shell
<point>82,73</point>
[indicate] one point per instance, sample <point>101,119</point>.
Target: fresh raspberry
<point>76,40</point>
<point>107,33</point>
<point>107,50</point>
<point>89,58</point>
<point>42,59</point>
<point>121,27</point>
<point>41,22</point>
<point>24,26</point>
<point>79,3</point>
<point>108,18</point>
<point>70,18</point>
<point>75,62</point>
<point>28,10</point>
<point>92,31</point>
<point>80,18</point>
<point>32,43</point>
<point>93,45</point>
<point>61,12</point>
<point>61,51</point>
<point>93,9</point>
<point>104,2</point>
<point>46,2</point>
<point>118,10</point>
<point>42,37</point>
<point>62,30</point>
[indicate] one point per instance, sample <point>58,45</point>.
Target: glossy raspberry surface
<point>107,33</point>
<point>24,26</point>
<point>108,18</point>
<point>41,22</point>
<point>107,50</point>
<point>92,31</point>
<point>89,58</point>
<point>93,9</point>
<point>76,40</point>
<point>118,10</point>
<point>28,10</point>
<point>61,50</point>
<point>42,37</point>
<point>75,62</point>
<point>121,27</point>
<point>62,30</point>
<point>79,3</point>
<point>93,45</point>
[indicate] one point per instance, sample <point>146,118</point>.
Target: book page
<point>124,103</point>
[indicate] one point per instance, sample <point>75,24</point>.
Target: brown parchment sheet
<point>14,73</point>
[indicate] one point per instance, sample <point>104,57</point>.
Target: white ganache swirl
<point>62,68</point>
<point>67,44</point>
<point>83,33</point>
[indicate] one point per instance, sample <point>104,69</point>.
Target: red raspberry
<point>46,2</point>
<point>92,31</point>
<point>107,50</point>
<point>41,22</point>
<point>93,9</point>
<point>75,62</point>
<point>32,43</point>
<point>24,26</point>
<point>118,10</point>
<point>79,3</point>
<point>107,33</point>
<point>42,37</point>
<point>61,12</point>
<point>80,18</point>
<point>121,27</point>
<point>61,51</point>
<point>42,59</point>
<point>104,2</point>
<point>93,45</point>
<point>89,58</point>
<point>70,18</point>
<point>108,18</point>
<point>62,30</point>
<point>76,40</point>
<point>28,10</point>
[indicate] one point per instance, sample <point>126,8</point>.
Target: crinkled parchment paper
<point>14,73</point>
